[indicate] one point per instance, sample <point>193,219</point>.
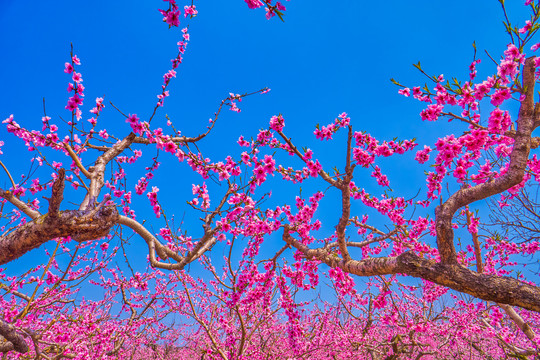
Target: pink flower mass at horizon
<point>157,207</point>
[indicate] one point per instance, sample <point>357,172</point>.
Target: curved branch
<point>154,246</point>
<point>499,289</point>
<point>44,228</point>
<point>153,243</point>
<point>8,174</point>
<point>526,123</point>
<point>97,172</point>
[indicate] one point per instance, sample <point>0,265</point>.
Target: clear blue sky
<point>326,58</point>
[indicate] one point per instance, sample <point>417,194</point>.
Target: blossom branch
<point>97,172</point>
<point>509,310</point>
<point>322,173</point>
<point>344,186</point>
<point>77,161</point>
<point>8,195</point>
<point>444,213</point>
<point>389,235</point>
<point>500,289</point>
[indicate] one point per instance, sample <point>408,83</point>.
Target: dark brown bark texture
<point>499,289</point>
<point>80,225</point>
<point>10,339</point>
<point>66,223</point>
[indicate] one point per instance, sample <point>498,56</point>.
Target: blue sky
<point>326,58</point>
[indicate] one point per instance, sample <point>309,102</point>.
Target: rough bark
<point>500,289</point>
<point>526,123</point>
<point>10,339</point>
<point>67,223</point>
<point>79,225</point>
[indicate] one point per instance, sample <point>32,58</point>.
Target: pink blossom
<point>190,10</point>
<point>405,92</point>
<point>253,4</point>
<point>136,126</point>
<point>500,96</point>
<point>170,147</point>
<point>508,68</point>
<point>277,123</point>
<point>173,18</point>
<point>513,53</point>
<point>76,77</point>
<point>432,112</point>
<point>499,121</point>
<point>423,155</point>
<point>68,68</point>
<point>71,105</point>
<point>526,28</point>
<point>76,99</point>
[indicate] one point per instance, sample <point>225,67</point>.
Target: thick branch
<point>45,228</point>
<point>57,194</point>
<point>366,267</point>
<point>518,162</point>
<point>499,289</point>
<point>343,185</point>
<point>14,341</point>
<point>97,172</point>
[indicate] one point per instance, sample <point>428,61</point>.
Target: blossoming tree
<point>250,303</point>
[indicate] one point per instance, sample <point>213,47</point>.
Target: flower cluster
<point>76,87</point>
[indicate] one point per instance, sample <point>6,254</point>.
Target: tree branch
<point>14,341</point>
<point>77,161</point>
<point>97,172</point>
<point>67,223</point>
<point>343,185</point>
<point>27,210</point>
<point>57,194</point>
<point>526,123</point>
<point>499,289</point>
